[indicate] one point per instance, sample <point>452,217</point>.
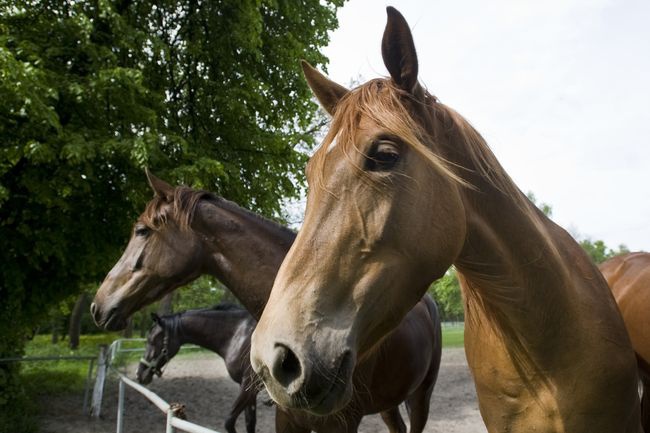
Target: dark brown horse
<point>184,233</point>
<point>628,276</point>
<point>401,188</point>
<point>224,329</point>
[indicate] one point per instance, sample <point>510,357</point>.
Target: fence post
<point>120,408</point>
<point>91,364</point>
<point>169,428</point>
<point>98,390</point>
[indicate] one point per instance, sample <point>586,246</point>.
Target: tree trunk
<point>55,331</point>
<point>165,304</point>
<point>128,331</point>
<point>74,330</point>
<point>144,324</point>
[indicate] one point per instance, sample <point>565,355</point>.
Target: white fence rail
<point>172,420</point>
<point>105,362</point>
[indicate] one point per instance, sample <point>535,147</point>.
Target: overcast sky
<point>560,89</point>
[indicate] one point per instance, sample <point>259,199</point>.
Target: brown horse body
<point>184,233</point>
<point>628,276</point>
<point>402,188</point>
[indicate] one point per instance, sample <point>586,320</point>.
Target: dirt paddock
<point>201,383</point>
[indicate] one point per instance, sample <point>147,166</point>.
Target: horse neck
<point>513,267</point>
<point>244,250</point>
<point>512,252</point>
<point>211,330</point>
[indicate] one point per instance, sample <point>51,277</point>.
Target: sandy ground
<point>201,383</point>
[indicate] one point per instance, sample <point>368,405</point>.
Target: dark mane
<point>226,306</point>
<point>169,323</point>
<point>183,205</point>
<point>172,321</point>
<point>238,209</point>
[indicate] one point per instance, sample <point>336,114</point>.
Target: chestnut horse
<point>224,329</point>
<point>184,233</point>
<point>401,188</point>
<point>628,276</point>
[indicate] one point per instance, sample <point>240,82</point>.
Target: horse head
<point>162,254</point>
<point>384,219</point>
<point>162,345</point>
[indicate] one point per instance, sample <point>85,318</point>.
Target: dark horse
<point>224,329</point>
<point>184,233</point>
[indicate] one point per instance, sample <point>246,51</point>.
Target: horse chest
<point>508,401</point>
<point>562,397</point>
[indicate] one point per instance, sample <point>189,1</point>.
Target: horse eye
<point>384,155</point>
<point>141,231</point>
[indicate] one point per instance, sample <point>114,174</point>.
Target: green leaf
<point>209,94</point>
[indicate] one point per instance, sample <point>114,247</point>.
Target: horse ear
<point>160,188</point>
<point>398,51</point>
<point>156,318</point>
<point>327,91</point>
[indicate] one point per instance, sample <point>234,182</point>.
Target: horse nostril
<point>93,310</point>
<point>286,367</point>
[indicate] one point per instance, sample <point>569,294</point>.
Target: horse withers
<point>224,329</point>
<point>401,188</point>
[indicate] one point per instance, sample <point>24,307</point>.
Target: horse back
<point>628,277</point>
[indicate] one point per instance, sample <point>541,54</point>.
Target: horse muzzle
<point>147,370</point>
<point>306,383</point>
<point>144,375</point>
<point>110,320</point>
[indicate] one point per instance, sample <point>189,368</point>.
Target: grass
<point>453,336</point>
<point>56,377</point>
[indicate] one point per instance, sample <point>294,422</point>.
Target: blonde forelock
<point>381,102</point>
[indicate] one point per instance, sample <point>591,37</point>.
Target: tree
<point>203,292</point>
<point>165,305</point>
<point>205,93</point>
<point>599,252</point>
<point>446,292</point>
<point>74,327</point>
<point>546,208</point>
